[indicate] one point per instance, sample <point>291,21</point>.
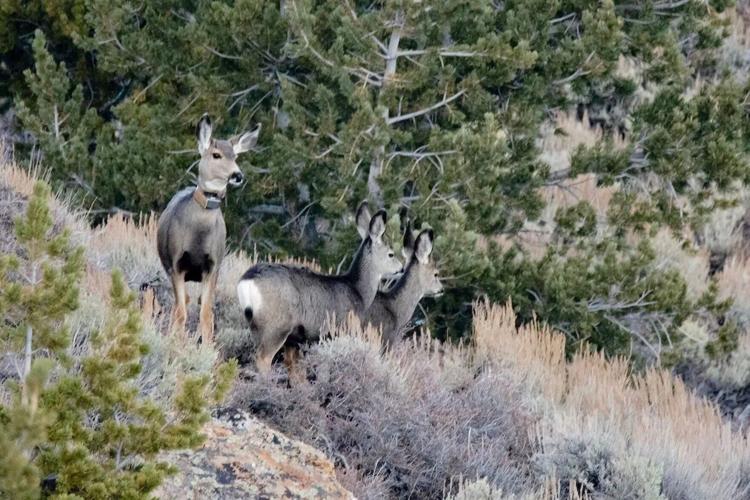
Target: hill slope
<point>507,408</point>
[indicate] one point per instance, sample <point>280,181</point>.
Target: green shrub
<point>78,425</point>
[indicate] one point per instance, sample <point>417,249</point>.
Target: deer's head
<point>218,163</point>
<point>418,253</point>
<point>376,251</point>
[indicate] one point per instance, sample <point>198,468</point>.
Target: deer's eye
<point>390,255</point>
<point>436,274</point>
<point>216,156</point>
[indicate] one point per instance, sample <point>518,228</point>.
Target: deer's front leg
<point>179,310</point>
<point>206,326</point>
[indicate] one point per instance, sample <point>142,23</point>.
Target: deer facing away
<point>392,309</point>
<point>191,234</point>
<point>279,300</point>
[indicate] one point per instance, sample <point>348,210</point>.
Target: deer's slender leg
<point>206,326</point>
<point>267,348</point>
<point>291,356</point>
<point>179,310</point>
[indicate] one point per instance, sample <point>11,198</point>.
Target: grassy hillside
<point>591,203</point>
<point>504,416</point>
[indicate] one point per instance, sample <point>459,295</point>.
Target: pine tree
<point>63,126</point>
<point>78,423</point>
<point>36,293</point>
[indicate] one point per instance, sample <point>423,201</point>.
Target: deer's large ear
<point>246,141</point>
<point>363,219</point>
<point>423,246</point>
<point>408,248</point>
<point>378,224</point>
<point>203,133</point>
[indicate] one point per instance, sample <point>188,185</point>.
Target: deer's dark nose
<point>236,178</point>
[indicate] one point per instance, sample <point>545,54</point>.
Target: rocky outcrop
<point>244,458</point>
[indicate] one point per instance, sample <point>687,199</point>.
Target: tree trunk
<point>378,156</point>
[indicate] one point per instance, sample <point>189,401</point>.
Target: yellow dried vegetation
<point>652,415</point>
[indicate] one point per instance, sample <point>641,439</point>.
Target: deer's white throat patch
<point>213,186</point>
<point>249,295</point>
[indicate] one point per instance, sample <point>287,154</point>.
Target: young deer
<point>279,300</point>
<point>393,308</point>
<point>191,235</point>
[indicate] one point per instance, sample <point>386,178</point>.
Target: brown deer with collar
<point>191,235</point>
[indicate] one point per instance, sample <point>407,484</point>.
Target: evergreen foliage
<point>76,425</point>
<point>434,105</point>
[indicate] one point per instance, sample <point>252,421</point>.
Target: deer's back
<point>294,296</point>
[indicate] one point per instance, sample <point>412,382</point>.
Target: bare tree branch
<point>598,305</point>
<point>562,19</point>
<point>414,114</point>
<point>635,333</point>
<point>220,54</point>
<point>441,53</point>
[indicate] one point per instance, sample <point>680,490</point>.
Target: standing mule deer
<point>392,309</point>
<point>279,300</point>
<point>191,236</point>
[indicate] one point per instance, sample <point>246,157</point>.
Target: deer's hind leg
<point>206,325</point>
<point>270,342</point>
<point>292,355</point>
<point>179,309</point>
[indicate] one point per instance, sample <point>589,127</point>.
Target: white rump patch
<point>249,295</point>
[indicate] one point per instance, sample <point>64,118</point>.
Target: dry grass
<point>722,233</point>
<point>595,402</point>
<point>692,263</point>
<point>558,141</point>
<point>401,423</point>
<point>733,284</point>
<point>598,430</point>
<point>19,182</point>
<point>737,45</point>
<point>481,489</point>
<point>560,138</point>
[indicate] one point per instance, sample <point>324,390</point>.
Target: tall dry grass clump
<point>610,431</point>
<point>17,184</point>
<point>534,352</point>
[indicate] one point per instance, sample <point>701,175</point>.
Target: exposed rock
<point>243,458</point>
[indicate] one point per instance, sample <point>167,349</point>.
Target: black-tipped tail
<point>249,313</point>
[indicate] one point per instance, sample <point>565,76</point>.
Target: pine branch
<point>634,333</point>
<point>424,111</point>
<point>577,73</point>
<point>598,305</point>
<point>221,54</point>
<point>441,53</point>
<point>562,19</point>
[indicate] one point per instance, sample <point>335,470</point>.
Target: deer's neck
<point>404,296</point>
<point>362,276</point>
<point>217,186</point>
